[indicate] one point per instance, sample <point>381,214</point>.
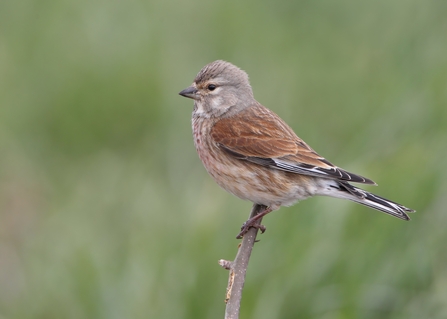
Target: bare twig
<point>238,268</point>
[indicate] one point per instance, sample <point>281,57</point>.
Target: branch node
<point>226,264</point>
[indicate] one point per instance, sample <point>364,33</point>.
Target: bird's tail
<point>345,190</point>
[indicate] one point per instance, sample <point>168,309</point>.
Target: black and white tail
<point>347,191</point>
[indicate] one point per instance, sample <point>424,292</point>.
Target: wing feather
<point>260,136</point>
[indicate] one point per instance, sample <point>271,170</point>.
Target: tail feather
<point>355,194</point>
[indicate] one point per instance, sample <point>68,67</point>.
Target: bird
<point>253,154</point>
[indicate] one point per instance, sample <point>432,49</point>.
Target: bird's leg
<point>251,223</point>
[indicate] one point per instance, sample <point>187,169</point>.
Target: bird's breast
<point>246,180</point>
<point>205,147</point>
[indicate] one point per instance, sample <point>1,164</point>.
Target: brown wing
<point>258,135</point>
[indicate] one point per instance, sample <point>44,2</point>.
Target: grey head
<point>220,89</point>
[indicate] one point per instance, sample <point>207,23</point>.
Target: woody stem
<point>238,267</point>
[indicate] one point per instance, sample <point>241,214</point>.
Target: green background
<point>107,212</point>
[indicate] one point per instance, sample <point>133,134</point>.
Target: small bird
<point>253,154</point>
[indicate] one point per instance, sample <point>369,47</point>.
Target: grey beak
<point>190,92</point>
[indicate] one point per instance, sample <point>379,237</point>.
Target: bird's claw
<point>247,225</point>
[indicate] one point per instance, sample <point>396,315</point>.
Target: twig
<point>238,268</point>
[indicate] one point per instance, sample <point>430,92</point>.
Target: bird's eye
<point>211,87</point>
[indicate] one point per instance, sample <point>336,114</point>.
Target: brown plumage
<point>258,134</point>
<point>252,153</point>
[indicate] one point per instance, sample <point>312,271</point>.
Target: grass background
<point>107,212</point>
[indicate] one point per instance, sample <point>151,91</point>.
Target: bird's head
<point>219,89</point>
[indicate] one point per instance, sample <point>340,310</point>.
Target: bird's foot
<point>247,225</point>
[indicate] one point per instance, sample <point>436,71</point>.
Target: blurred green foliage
<point>107,212</point>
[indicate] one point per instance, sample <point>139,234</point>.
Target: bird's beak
<point>190,92</point>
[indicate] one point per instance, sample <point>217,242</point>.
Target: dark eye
<point>211,87</point>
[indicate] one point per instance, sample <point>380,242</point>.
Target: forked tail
<point>347,191</point>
